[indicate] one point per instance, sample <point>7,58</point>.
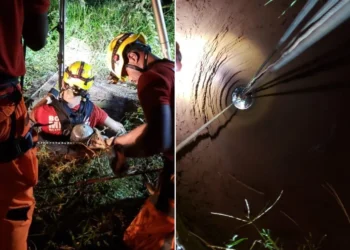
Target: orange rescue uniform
<point>151,229</point>
<point>17,179</point>
<point>18,174</point>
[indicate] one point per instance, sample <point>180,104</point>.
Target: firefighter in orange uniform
<point>18,162</point>
<point>130,57</point>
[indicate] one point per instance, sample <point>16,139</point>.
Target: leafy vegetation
<point>95,24</point>
<point>235,241</point>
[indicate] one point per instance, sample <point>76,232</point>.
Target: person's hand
<point>118,160</point>
<point>110,141</point>
<point>113,140</point>
<point>97,140</point>
<point>121,130</point>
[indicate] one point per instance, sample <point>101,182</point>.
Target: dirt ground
<point>294,138</point>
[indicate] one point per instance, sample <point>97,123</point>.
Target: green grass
<point>96,25</point>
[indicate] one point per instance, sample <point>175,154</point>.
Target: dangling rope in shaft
<point>196,133</point>
<point>297,21</point>
<point>330,16</point>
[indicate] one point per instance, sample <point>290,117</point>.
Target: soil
<point>294,138</point>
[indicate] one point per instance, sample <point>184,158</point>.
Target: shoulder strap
<point>69,118</point>
<point>62,114</point>
<point>85,110</point>
<point>82,114</point>
<point>88,107</point>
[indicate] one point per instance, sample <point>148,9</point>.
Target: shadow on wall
<point>205,88</point>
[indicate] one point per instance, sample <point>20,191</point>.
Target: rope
<point>195,134</point>
<point>308,35</point>
<point>96,180</point>
<point>297,21</point>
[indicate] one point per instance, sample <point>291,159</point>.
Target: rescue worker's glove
<point>117,160</point>
<point>97,140</point>
<point>121,130</point>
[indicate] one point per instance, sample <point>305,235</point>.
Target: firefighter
<point>129,57</point>
<point>18,162</point>
<point>59,112</point>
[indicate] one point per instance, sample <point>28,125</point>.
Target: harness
<point>14,147</point>
<point>69,118</point>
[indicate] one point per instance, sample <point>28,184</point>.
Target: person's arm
<point>159,132</point>
<point>42,102</point>
<point>35,27</point>
<point>130,138</point>
<point>151,138</point>
<point>156,135</point>
<point>117,127</point>
<point>145,140</point>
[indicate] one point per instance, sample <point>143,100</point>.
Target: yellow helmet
<point>116,47</point>
<point>79,74</point>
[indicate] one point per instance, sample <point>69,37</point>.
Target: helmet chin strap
<point>144,68</point>
<point>76,92</point>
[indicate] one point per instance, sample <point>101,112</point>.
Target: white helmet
<point>81,133</point>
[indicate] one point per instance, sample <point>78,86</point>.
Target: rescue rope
<point>59,143</point>
<point>303,13</point>
<point>196,133</point>
<point>307,36</point>
<point>97,180</point>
